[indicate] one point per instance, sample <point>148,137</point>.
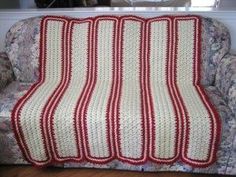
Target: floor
<point>27,171</point>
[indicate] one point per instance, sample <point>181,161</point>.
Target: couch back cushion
<point>22,48</point>
<point>215,45</point>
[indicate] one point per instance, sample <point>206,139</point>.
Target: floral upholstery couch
<point>19,70</point>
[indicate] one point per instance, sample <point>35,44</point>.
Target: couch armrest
<point>6,71</point>
<point>226,80</point>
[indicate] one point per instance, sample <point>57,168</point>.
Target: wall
<point>27,4</point>
<point>9,4</point>
<point>9,17</point>
<point>17,4</point>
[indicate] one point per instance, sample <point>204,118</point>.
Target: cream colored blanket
<point>124,88</point>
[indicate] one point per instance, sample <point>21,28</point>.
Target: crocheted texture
<point>123,88</point>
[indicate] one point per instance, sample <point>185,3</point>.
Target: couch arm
<point>226,80</point>
<point>6,71</point>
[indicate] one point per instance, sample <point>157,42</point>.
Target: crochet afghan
<point>118,88</point>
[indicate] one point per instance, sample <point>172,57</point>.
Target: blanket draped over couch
<point>124,88</point>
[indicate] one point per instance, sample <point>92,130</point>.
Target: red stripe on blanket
<point>117,88</point>
<point>111,101</point>
<point>143,89</point>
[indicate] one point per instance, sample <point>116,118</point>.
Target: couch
<point>19,70</point>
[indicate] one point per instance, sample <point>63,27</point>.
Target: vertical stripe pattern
<point>130,120</point>
<point>124,88</point>
<point>64,133</point>
<point>163,131</point>
<point>40,93</point>
<point>97,123</point>
<point>196,109</point>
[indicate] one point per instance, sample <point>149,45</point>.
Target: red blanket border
<point>51,160</point>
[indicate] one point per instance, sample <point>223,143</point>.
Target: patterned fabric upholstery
<point>226,80</point>
<point>6,72</point>
<point>22,48</point>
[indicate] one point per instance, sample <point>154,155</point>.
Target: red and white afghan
<point>124,88</point>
